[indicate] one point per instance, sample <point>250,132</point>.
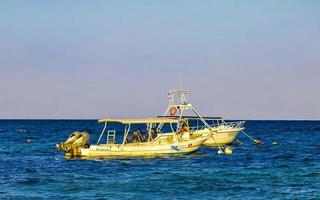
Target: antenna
<point>180,81</point>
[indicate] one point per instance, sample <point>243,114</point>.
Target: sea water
<point>286,166</point>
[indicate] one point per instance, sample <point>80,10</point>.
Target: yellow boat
<point>224,132</point>
<point>153,142</point>
<point>220,131</point>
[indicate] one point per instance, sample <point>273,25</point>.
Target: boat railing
<point>238,124</point>
<point>197,128</point>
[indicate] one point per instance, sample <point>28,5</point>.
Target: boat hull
<point>220,136</point>
<point>141,149</point>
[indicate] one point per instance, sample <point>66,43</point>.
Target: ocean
<point>286,166</point>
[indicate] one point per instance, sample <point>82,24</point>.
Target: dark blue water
<point>287,170</point>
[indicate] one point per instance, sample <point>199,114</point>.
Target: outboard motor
<point>74,143</point>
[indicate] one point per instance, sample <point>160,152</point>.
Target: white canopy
<point>141,121</point>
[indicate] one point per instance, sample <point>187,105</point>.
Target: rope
<point>207,125</point>
<point>254,140</point>
<point>219,147</point>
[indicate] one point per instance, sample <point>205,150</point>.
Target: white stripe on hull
<point>142,149</point>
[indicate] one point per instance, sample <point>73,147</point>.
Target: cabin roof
<point>141,120</point>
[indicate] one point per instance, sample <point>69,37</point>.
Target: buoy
<point>28,140</point>
<point>274,142</point>
<point>228,150</point>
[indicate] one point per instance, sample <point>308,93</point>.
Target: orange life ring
<point>173,111</point>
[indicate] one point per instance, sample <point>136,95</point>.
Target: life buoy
<point>173,111</point>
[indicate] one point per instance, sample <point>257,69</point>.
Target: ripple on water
<point>288,170</point>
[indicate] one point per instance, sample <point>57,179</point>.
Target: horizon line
<point>96,119</point>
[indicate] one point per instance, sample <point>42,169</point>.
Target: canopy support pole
<point>102,132</point>
<point>126,132</point>
<point>149,129</point>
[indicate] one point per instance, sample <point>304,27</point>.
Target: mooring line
<point>254,140</point>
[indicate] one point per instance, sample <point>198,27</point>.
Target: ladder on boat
<point>111,137</point>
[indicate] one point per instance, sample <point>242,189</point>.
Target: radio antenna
<point>180,81</point>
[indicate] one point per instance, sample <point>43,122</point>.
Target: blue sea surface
<point>286,166</point>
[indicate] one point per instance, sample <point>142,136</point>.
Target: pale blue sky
<point>93,59</point>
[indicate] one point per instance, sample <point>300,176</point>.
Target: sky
<point>94,59</point>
